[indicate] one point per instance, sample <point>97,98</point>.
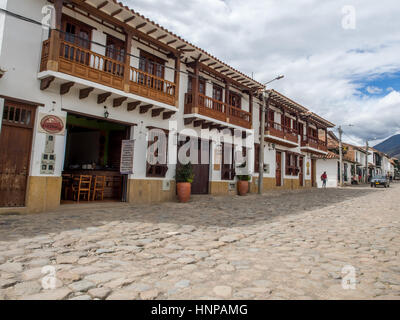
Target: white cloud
<point>304,40</point>
<point>373,90</point>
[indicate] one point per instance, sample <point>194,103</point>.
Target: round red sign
<point>52,124</point>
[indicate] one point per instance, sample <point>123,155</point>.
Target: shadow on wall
<point>201,211</point>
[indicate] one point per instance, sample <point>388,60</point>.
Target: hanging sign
<point>52,124</point>
<point>126,166</point>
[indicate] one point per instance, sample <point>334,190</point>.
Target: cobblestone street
<point>283,245</point>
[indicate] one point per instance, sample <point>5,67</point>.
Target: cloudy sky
<point>341,59</point>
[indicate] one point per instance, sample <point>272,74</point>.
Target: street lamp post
<point>265,104</point>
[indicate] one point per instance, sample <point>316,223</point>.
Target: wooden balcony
<point>86,64</point>
<point>218,110</point>
<point>311,144</point>
<point>286,136</point>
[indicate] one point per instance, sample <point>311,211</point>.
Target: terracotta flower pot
<point>243,187</point>
<point>184,190</point>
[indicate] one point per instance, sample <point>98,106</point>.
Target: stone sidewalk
<point>283,245</point>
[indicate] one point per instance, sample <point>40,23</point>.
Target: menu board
<point>126,166</point>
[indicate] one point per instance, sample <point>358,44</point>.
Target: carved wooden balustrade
<point>216,109</point>
<point>80,62</point>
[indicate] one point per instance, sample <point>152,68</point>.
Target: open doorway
<point>91,169</point>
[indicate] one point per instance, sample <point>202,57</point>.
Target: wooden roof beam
<point>116,12</point>
<point>129,19</point>
<point>141,25</point>
<point>102,5</point>
<point>152,31</point>
<point>106,17</point>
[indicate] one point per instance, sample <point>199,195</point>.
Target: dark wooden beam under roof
<point>118,101</point>
<point>84,93</point>
<point>215,126</point>
<point>106,17</point>
<point>152,31</point>
<point>133,105</point>
<point>188,50</point>
<point>198,123</point>
<point>45,82</point>
<point>129,19</point>
<point>116,12</point>
<point>162,37</point>
<point>101,98</point>
<point>236,77</point>
<point>211,64</point>
<point>216,73</point>
<point>141,25</point>
<point>181,47</point>
<point>172,41</point>
<point>101,5</point>
<point>156,112</point>
<point>204,60</point>
<point>219,67</point>
<point>145,108</point>
<point>188,121</point>
<point>168,114</point>
<point>206,125</point>
<point>65,87</point>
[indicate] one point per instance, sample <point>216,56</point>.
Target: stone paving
<point>283,245</point>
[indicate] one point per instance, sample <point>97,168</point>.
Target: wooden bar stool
<point>98,188</point>
<point>81,186</point>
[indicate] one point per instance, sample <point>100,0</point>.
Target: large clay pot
<point>243,187</point>
<point>184,190</point>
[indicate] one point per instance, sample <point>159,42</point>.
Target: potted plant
<point>243,181</point>
<point>184,177</point>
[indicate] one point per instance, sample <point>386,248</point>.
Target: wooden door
<point>301,173</point>
<point>201,170</point>
<point>313,173</point>
<point>15,151</point>
<point>278,174</point>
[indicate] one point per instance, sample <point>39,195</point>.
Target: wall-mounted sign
<point>127,156</point>
<point>49,123</point>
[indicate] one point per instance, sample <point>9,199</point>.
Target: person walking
<point>324,177</point>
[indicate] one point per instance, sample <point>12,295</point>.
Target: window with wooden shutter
<point>228,166</point>
<point>158,169</point>
<point>235,99</point>
<point>291,164</point>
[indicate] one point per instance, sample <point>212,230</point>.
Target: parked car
<point>380,181</point>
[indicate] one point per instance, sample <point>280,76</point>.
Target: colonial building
<point>292,133</point>
<point>80,102</point>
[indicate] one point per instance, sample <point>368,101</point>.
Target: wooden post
<point>307,130</point>
<point>251,107</point>
<point>177,78</point>
<point>195,88</point>
<point>267,114</point>
<point>54,47</point>
<point>227,106</point>
<point>127,66</point>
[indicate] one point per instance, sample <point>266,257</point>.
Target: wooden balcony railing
<point>277,130</point>
<point>143,83</point>
<point>86,64</point>
<point>45,55</point>
<point>314,142</point>
<point>239,117</point>
<point>217,110</point>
